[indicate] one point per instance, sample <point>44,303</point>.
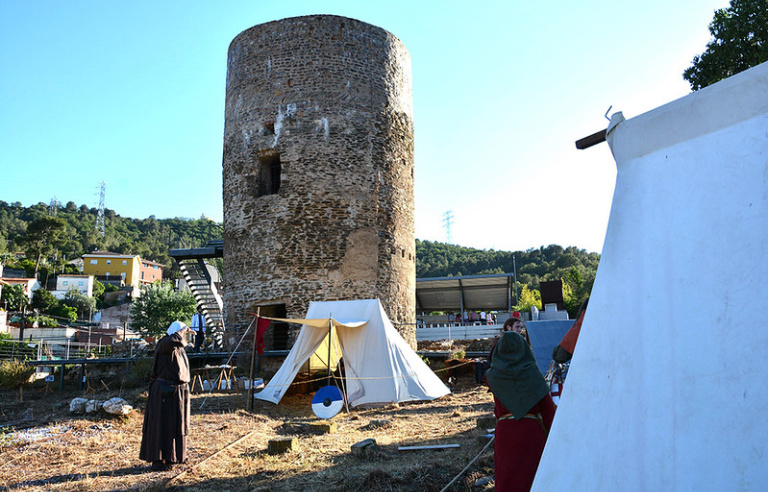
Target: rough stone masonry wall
<point>330,98</point>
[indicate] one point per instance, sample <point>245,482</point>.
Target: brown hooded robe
<point>166,418</point>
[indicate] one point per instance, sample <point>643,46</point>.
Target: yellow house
<point>113,265</point>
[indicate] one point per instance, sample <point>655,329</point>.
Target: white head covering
<point>175,327</point>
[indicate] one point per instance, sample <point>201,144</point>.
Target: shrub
<point>65,312</point>
<point>459,354</point>
<point>15,374</point>
<point>46,321</point>
<point>6,437</point>
<point>44,301</point>
<point>9,346</point>
<point>138,373</point>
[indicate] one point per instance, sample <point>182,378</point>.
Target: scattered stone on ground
<point>364,447</point>
<point>282,445</point>
<point>485,423</point>
<point>117,406</point>
<point>93,406</point>
<point>77,406</point>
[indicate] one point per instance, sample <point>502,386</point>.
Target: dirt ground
<point>44,447</point>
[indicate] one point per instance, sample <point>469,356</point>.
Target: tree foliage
<point>149,238</point>
<point>529,298</point>
<point>44,236</point>
<point>44,301</point>
<point>84,305</point>
<point>159,306</point>
<point>739,41</point>
<point>13,297</point>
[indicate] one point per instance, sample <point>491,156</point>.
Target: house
<point>150,272</point>
<point>81,283</point>
<point>121,269</point>
<point>78,263</point>
<point>114,268</point>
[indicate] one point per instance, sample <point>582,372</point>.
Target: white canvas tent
<point>667,386</point>
<point>380,367</point>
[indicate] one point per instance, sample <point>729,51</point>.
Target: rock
<point>323,427</point>
<point>93,406</point>
<point>377,424</point>
<point>364,448</point>
<point>310,428</point>
<point>77,405</point>
<point>282,445</point>
<point>483,481</point>
<point>117,406</point>
<point>486,423</point>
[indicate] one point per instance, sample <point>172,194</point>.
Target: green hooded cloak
<point>514,377</point>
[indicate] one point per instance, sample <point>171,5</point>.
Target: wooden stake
<point>249,406</point>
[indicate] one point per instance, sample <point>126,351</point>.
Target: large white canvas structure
<point>667,388</point>
<point>380,366</point>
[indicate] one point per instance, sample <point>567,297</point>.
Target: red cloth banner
<point>261,328</point>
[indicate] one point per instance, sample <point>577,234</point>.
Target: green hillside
<point>75,234</point>
<point>149,238</point>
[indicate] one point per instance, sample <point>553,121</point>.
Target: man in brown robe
<point>166,418</point>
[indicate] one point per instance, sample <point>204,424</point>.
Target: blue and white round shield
<point>327,402</point>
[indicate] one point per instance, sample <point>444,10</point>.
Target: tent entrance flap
<point>319,360</point>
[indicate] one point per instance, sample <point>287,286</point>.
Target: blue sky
<point>132,94</point>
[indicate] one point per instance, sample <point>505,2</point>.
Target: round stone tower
<point>318,171</point>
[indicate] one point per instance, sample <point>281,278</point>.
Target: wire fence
<point>56,348</point>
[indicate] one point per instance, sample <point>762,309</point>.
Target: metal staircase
<point>195,272</point>
<point>201,285</point>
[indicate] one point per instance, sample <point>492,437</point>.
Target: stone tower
<point>318,171</point>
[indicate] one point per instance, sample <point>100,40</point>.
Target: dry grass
<point>227,446</point>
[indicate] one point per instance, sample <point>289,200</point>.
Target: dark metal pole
<point>514,271</point>
<point>21,327</point>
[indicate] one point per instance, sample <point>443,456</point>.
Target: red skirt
<point>517,450</point>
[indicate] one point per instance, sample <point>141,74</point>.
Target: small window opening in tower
<point>269,172</point>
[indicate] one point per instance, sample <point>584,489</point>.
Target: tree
<point>528,298</point>
<point>44,236</point>
<point>159,306</point>
<point>83,304</point>
<point>98,293</point>
<point>44,301</point>
<point>740,41</point>
<point>14,297</point>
